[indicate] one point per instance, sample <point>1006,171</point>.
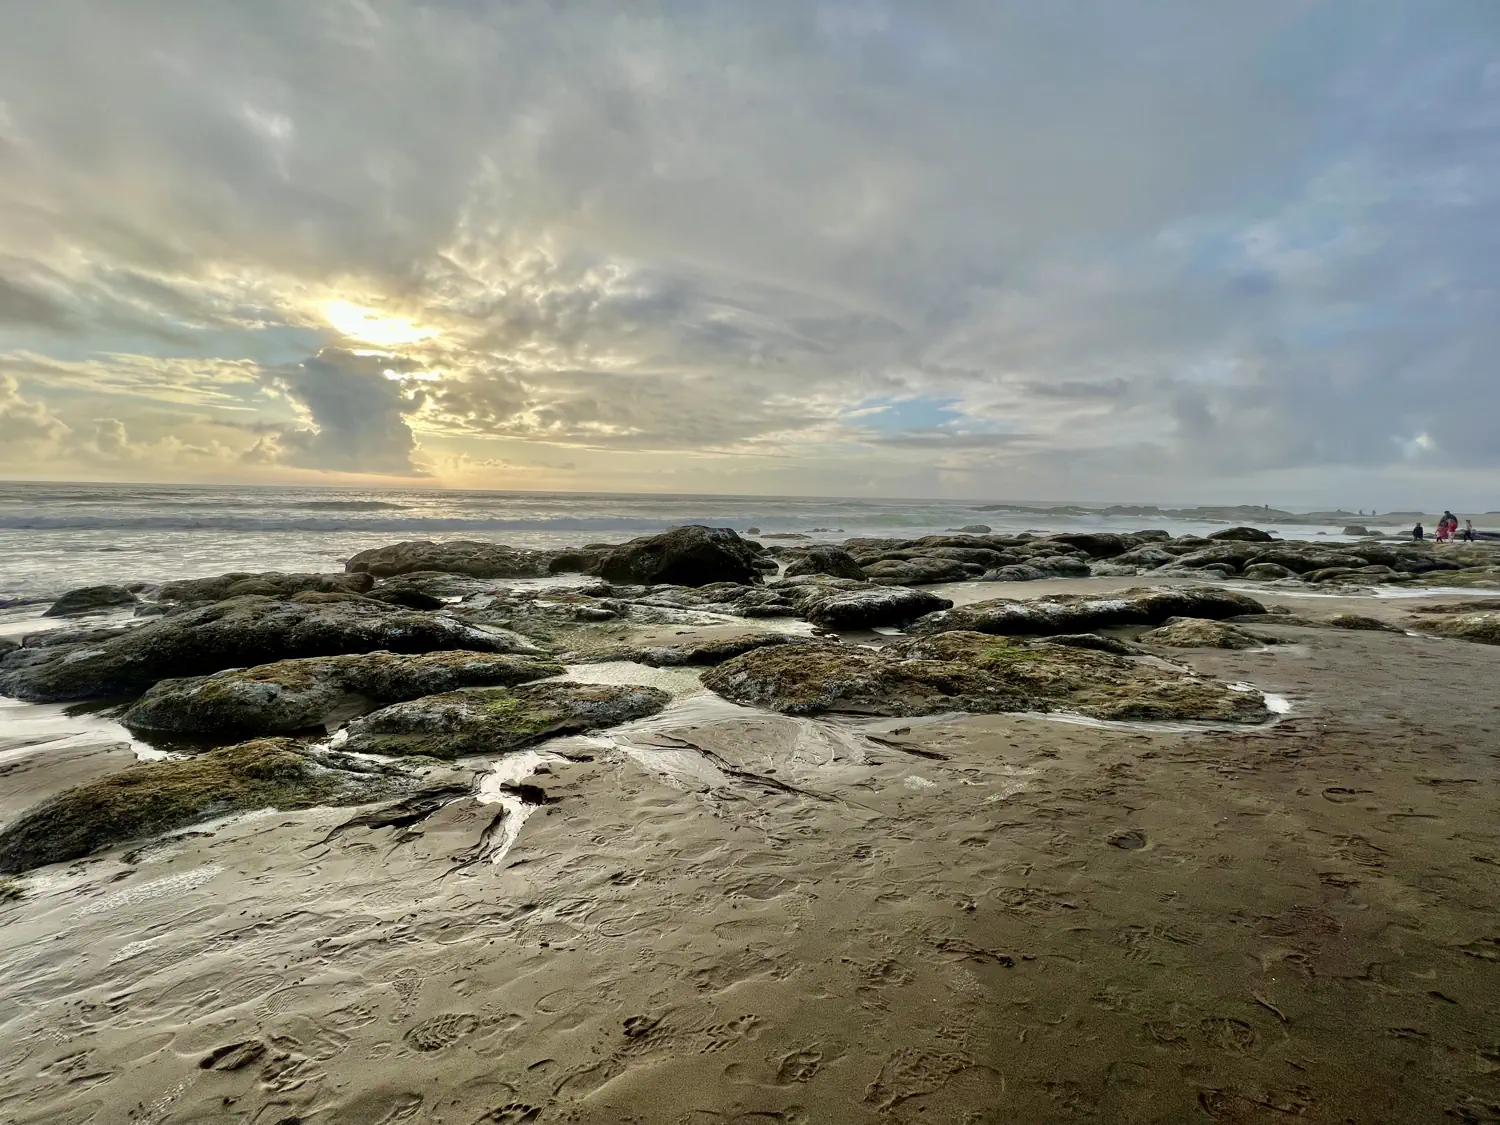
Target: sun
<point>374,327</point>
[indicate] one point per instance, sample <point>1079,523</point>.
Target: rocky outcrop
<point>91,599</point>
<point>965,671</point>
<point>1094,544</point>
<point>1482,628</point>
<point>1360,623</point>
<point>1241,535</point>
<point>922,570</point>
<point>238,633</point>
<point>268,584</point>
<point>476,721</point>
<point>1194,632</point>
<point>865,608</point>
<point>693,555</point>
<point>703,652</point>
<point>1268,572</point>
<point>1076,613</point>
<point>299,695</point>
<point>834,561</point>
<point>155,797</point>
<point>474,557</point>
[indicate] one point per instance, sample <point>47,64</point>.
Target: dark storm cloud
<point>1210,241</point>
<point>356,406</point>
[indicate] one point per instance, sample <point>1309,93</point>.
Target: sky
<point>1144,250</point>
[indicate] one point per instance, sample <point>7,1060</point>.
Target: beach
<point>725,913</point>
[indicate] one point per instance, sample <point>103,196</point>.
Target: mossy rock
<point>1194,632</point>
<point>690,652</point>
<point>1359,622</point>
<point>295,695</point>
<point>1079,613</point>
<point>1482,628</point>
<point>968,671</point>
<point>240,633</point>
<point>155,797</point>
<point>91,599</point>
<point>477,721</point>
<point>11,891</point>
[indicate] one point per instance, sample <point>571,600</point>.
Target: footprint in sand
<point>1130,840</point>
<point>513,1114</point>
<point>799,1066</point>
<point>1228,1034</point>
<point>233,1056</point>
<point>441,1032</point>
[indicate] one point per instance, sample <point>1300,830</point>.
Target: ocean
<point>54,537</point>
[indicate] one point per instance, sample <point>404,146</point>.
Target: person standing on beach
<point>1416,532</point>
<point>1468,531</point>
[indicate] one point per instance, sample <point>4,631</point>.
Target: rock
<point>826,560</point>
<point>239,633</point>
<point>866,608</point>
<point>1061,566</point>
<point>1194,632</point>
<point>270,584</point>
<point>1091,641</point>
<point>155,797</point>
<point>477,721</point>
<point>1359,621</point>
<point>1241,535</point>
<point>1078,613</point>
<point>1094,544</point>
<point>689,653</point>
<point>1358,530</point>
<point>983,556</point>
<point>964,671</point>
<point>975,529</point>
<point>1147,556</point>
<point>693,555</point>
<point>585,561</point>
<point>920,571</point>
<point>1112,570</point>
<point>297,695</point>
<point>1304,558</point>
<point>1017,572</point>
<point>7,646</point>
<point>91,599</point>
<point>752,531</point>
<point>474,557</point>
<point>1482,628</point>
<point>1267,572</point>
<point>406,594</point>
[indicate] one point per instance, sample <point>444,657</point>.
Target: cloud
<point>1184,247</point>
<point>27,427</point>
<point>355,406</point>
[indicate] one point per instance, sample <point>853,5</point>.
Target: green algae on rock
<point>969,671</point>
<point>295,695</point>
<point>1195,632</point>
<point>239,633</point>
<point>1081,613</point>
<point>155,797</point>
<point>270,584</point>
<point>1482,628</point>
<point>476,721</point>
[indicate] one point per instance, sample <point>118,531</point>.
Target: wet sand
<point>729,916</point>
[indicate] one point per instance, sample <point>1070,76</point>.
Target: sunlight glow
<point>374,327</point>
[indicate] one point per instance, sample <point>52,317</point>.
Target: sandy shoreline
<point>725,915</point>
